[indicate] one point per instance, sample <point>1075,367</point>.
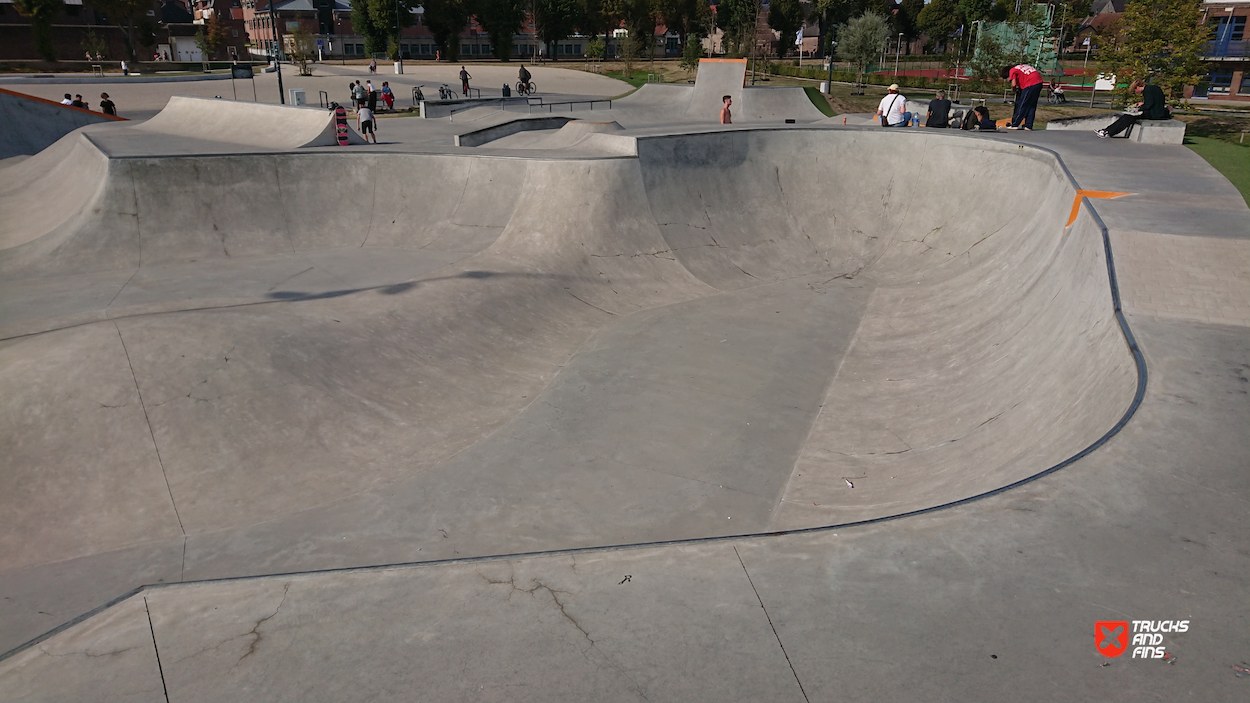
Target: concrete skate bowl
<point>730,333</point>
<point>33,124</point>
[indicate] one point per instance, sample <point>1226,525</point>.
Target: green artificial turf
<point>637,80</point>
<point>818,100</point>
<point>1229,158</point>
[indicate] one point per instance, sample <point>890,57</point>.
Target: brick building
<point>1228,51</point>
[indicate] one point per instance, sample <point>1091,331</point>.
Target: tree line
<point>376,21</point>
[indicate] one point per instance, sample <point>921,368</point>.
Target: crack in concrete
<point>251,648</point>
<point>554,594</point>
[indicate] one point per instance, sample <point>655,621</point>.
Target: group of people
<point>1027,82</point>
<point>892,111</point>
<point>106,106</point>
<point>365,98</point>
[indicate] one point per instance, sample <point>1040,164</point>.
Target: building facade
<point>1228,52</point>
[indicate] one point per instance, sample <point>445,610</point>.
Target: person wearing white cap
<point>893,109</point>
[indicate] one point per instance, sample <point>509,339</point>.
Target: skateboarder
<point>725,116</point>
<point>1028,81</point>
<point>107,106</point>
<point>367,124</point>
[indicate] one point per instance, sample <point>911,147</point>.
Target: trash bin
<point>507,92</point>
<point>824,87</point>
<point>297,96</point>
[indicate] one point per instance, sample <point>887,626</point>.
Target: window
<point>464,48</point>
<point>1244,87</point>
<point>1221,81</point>
<point>1230,28</point>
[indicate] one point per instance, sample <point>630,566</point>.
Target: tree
<point>690,55</point>
<point>939,19</point>
<point>738,19</point>
<point>977,10</point>
<point>595,49</point>
<point>629,54</point>
<point>501,19</point>
<point>388,18</point>
<point>1070,16</point>
<point>93,44</point>
<point>862,40</point>
<point>208,37</point>
<point>1161,41</point>
<point>41,13</point>
<point>907,18</point>
<point>446,20</point>
<point>988,60</point>
<point>373,33</point>
<point>128,15</point>
<point>554,20</point>
<point>301,48</point>
<point>786,17</point>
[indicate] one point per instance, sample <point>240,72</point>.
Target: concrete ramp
<point>702,101</point>
<point>253,124</point>
<point>33,124</point>
<point>716,78</point>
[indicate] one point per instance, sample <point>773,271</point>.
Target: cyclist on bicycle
<point>524,76</point>
<point>464,81</point>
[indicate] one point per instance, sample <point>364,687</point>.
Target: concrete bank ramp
<point>732,332</point>
<point>277,127</point>
<point>33,124</point>
<point>702,102</point>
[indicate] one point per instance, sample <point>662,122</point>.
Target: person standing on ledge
<point>725,116</point>
<point>1028,81</point>
<point>1153,107</point>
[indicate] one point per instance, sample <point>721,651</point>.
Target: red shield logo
<point>1111,637</point>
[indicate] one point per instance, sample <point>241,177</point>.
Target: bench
<point>1144,132</point>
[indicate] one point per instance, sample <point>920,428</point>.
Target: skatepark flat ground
<point>489,424</point>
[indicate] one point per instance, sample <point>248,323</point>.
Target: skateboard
<point>340,125</point>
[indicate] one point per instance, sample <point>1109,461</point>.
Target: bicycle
<point>526,88</point>
<point>417,95</point>
<point>445,93</point>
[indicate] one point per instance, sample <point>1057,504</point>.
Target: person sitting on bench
<point>1153,107</point>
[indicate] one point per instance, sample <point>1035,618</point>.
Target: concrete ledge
<point>482,136</point>
<point>445,108</point>
<point>1159,132</point>
<point>1145,131</point>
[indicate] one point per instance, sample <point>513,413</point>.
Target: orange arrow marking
<point>1076,201</point>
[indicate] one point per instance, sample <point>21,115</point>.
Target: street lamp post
<point>277,56</point>
<point>898,50</point>
<point>399,54</point>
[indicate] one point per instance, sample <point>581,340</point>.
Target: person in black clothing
<point>1153,107</point>
<point>984,123</point>
<point>107,106</point>
<point>77,102</point>
<point>939,111</point>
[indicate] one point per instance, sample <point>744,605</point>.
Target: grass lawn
<point>1228,157</point>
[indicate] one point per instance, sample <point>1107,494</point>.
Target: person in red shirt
<point>1028,81</point>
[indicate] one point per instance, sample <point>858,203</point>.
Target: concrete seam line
<point>1125,330</point>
